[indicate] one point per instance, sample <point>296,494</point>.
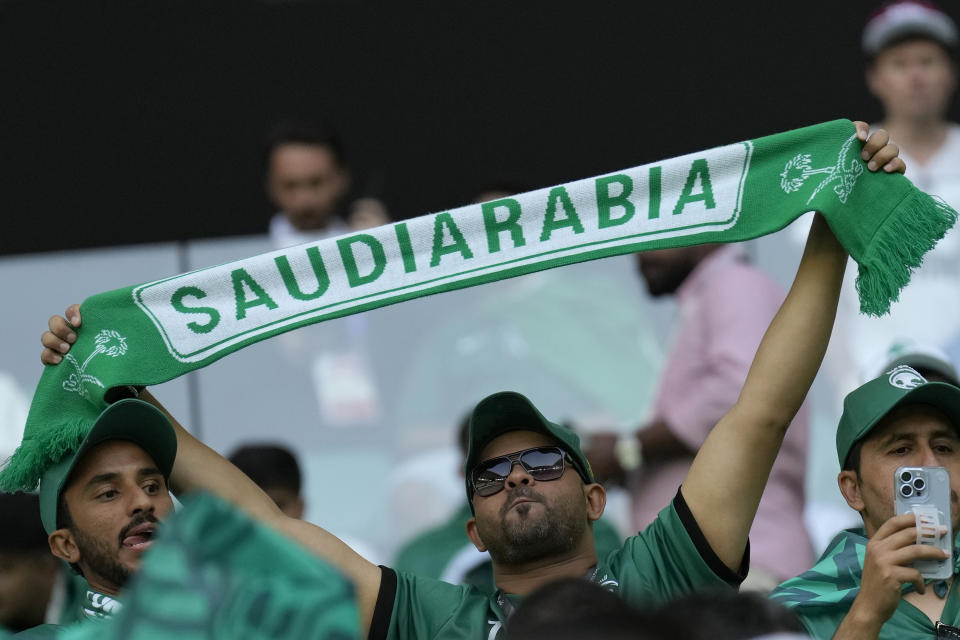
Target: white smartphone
<point>925,491</point>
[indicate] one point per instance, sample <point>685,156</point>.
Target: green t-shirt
<point>83,603</point>
<point>432,553</point>
<point>822,596</point>
<point>213,572</point>
<point>668,559</point>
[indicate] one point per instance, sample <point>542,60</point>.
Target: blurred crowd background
<point>136,145</point>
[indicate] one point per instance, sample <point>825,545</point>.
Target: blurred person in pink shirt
<point>724,305</point>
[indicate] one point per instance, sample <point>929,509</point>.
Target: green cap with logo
<point>129,419</point>
<point>510,411</point>
<point>865,406</point>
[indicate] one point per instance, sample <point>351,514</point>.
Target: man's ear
<point>474,535</point>
<point>64,546</point>
<point>596,497</point>
<point>850,488</point>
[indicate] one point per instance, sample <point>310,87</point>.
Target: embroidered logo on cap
<point>904,377</point>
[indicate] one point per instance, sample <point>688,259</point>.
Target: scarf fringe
<point>25,467</point>
<point>897,248</point>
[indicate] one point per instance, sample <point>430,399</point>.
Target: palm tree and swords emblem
<point>107,342</point>
<point>843,175</point>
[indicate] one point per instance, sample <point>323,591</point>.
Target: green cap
<point>866,405</point>
<point>510,411</point>
<point>129,419</point>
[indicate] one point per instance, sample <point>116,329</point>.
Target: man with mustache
<point>863,586</point>
<point>102,502</point>
<point>534,497</point>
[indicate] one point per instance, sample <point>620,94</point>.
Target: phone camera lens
<point>919,484</point>
<point>906,476</point>
<point>906,490</point>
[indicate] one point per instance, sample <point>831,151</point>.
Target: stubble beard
<point>528,538</point>
<point>98,557</point>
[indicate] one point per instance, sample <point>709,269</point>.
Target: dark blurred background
<point>143,121</point>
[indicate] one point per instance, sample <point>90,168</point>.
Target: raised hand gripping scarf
<point>153,332</point>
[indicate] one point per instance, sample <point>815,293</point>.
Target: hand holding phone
<point>925,491</point>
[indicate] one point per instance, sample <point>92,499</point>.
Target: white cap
<point>907,18</point>
<point>913,354</point>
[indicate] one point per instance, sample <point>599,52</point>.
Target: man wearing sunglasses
<point>534,508</point>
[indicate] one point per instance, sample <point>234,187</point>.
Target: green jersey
<point>446,552</point>
<point>668,559</point>
<point>822,596</point>
<point>85,604</point>
<point>213,572</point>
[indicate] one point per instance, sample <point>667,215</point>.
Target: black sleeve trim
<point>383,611</point>
<point>733,578</point>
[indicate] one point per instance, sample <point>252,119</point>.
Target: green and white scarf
<point>150,333</point>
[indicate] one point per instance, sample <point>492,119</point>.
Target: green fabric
<point>822,596</point>
<point>76,591</point>
<point>98,606</point>
<point>40,632</point>
<point>214,573</point>
<point>151,333</point>
<point>430,553</point>
<point>656,565</point>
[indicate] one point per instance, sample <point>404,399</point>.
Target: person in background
<point>274,469</point>
<point>910,49</point>
<point>727,615</point>
<point>34,587</point>
<point>308,181</point>
<point>724,305</point>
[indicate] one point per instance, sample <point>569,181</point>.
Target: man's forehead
<point>913,45</point>
<point>913,419</point>
<point>109,456</point>
<point>293,156</point>
<point>514,441</point>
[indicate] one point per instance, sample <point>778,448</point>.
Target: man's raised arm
<point>728,475</point>
<point>198,467</point>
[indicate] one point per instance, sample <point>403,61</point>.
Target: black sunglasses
<point>542,463</point>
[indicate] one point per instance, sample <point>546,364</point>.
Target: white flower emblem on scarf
<point>108,342</point>
<point>844,173</point>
